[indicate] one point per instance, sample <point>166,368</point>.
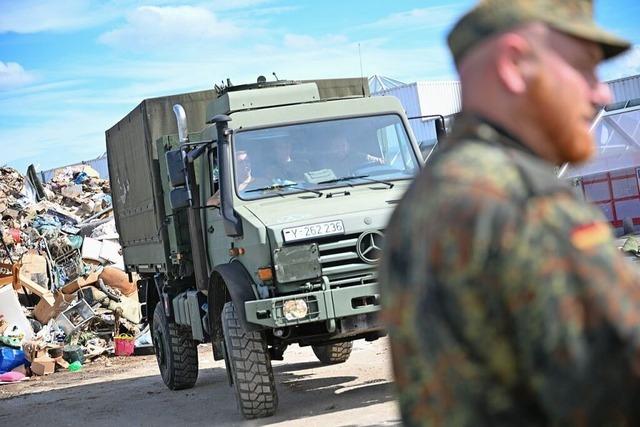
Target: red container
<point>123,345</point>
<point>15,235</point>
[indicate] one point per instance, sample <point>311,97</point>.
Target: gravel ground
<point>128,391</point>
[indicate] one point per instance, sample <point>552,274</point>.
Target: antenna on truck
<point>274,75</point>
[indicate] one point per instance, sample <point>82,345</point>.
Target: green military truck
<point>262,228</point>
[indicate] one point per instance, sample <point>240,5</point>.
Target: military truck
<point>263,227</point>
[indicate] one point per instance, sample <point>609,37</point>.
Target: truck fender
<point>149,294</point>
<point>230,282</point>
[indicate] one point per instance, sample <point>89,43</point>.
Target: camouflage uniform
<point>506,299</point>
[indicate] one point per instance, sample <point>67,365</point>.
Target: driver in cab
<point>243,177</point>
<point>280,165</point>
<point>343,159</point>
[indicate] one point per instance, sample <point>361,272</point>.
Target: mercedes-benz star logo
<point>369,246</point>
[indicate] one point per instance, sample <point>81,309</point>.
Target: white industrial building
<point>611,180</point>
<point>422,101</point>
<point>625,89</point>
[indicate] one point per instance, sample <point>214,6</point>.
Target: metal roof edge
<point>637,76</point>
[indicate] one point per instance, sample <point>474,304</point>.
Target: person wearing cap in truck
<point>244,177</point>
<point>344,157</point>
<point>282,167</point>
<point>506,300</point>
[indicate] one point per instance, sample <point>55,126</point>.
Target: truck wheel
<point>176,352</point>
<point>250,365</point>
<point>332,354</point>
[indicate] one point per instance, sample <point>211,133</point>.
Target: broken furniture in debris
<point>64,296</point>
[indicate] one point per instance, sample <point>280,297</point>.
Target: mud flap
<point>238,282</point>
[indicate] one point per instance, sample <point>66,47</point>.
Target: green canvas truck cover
<point>135,176</point>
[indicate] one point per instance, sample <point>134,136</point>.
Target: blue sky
<point>71,69</point>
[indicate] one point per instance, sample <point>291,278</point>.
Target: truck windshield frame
<point>319,155</point>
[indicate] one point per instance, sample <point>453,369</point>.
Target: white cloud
<point>265,11</point>
<point>292,56</point>
<point>32,16</point>
<point>51,144</point>
<point>625,65</point>
<point>40,88</point>
<point>167,27</point>
<point>235,4</point>
<point>13,75</point>
<point>428,17</point>
<point>300,41</point>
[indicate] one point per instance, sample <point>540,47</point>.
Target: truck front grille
<point>341,263</point>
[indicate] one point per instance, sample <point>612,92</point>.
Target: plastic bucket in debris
<point>123,345</point>
<point>15,235</point>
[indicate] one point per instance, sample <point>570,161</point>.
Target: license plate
<point>311,231</point>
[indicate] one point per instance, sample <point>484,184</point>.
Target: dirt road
<point>130,392</point>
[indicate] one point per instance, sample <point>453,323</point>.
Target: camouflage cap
<point>491,17</point>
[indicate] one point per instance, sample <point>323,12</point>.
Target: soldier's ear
<point>514,62</point>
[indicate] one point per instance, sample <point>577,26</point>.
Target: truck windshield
<point>319,155</point>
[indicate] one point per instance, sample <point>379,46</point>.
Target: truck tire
<point>250,366</point>
<point>332,354</point>
<point>176,352</point>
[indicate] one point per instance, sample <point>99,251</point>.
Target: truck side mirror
<point>179,195</point>
<point>425,149</point>
<point>179,198</point>
<point>441,130</point>
<point>175,168</point>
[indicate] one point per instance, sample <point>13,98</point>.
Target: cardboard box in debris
<point>62,279</point>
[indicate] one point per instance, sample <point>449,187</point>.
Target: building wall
<point>439,97</point>
<point>445,97</point>
<point>426,98</point>
<point>625,89</point>
<point>617,193</point>
<point>408,96</point>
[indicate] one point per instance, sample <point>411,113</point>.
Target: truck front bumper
<point>322,305</point>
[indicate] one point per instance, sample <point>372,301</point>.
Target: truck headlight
<point>295,309</point>
<point>296,263</point>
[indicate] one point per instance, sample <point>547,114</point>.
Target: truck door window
<point>214,183</point>
<point>213,162</point>
<point>395,147</point>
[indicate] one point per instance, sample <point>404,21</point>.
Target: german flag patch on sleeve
<point>587,236</point>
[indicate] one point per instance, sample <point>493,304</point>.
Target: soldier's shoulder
<point>460,178</point>
<point>477,165</point>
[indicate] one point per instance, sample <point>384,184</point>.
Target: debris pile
<point>64,296</point>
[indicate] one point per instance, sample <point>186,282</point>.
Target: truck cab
<point>272,223</point>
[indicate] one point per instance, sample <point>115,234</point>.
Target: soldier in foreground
<point>506,300</point>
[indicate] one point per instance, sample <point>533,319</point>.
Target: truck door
<point>215,237</point>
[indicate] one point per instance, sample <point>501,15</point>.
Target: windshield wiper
<point>276,187</point>
<point>349,178</point>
